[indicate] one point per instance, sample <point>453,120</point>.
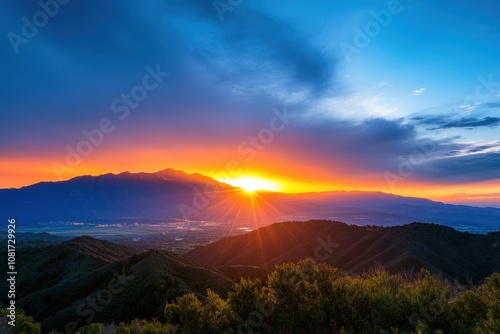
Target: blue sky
<point>430,74</point>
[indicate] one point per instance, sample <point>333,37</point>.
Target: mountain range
<point>175,195</point>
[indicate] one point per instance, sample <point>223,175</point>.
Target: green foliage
<point>135,327</point>
<point>490,296</point>
<point>213,315</point>
<point>93,329</point>
<point>306,297</point>
<point>242,299</point>
<point>24,324</point>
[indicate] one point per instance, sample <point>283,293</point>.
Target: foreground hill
<point>356,249</point>
<point>42,268</point>
<point>85,280</point>
<point>172,195</point>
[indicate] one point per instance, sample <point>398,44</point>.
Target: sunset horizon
<point>269,183</point>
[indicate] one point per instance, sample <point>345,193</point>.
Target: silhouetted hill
<point>87,280</point>
<point>42,268</point>
<point>30,236</point>
<point>30,239</point>
<point>357,249</point>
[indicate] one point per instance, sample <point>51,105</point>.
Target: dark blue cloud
<point>462,169</point>
<point>65,78</point>
<point>445,122</point>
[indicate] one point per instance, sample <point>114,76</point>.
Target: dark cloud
<point>444,122</point>
<point>472,123</point>
<point>376,146</point>
<point>223,74</point>
<point>460,169</point>
<point>372,145</point>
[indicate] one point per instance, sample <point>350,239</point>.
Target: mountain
<point>30,239</point>
<point>88,280</point>
<point>29,236</point>
<point>356,249</point>
<point>105,197</point>
<point>361,208</point>
<point>175,195</point>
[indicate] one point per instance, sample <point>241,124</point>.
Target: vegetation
<point>306,297</point>
<point>135,327</point>
<point>24,324</point>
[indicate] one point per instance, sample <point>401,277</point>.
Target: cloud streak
<point>445,122</point>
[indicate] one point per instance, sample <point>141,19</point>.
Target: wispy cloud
<point>418,91</point>
<point>356,106</point>
<point>469,107</point>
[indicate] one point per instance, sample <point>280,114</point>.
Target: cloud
<point>462,169</point>
<point>359,105</point>
<point>376,145</point>
<point>445,122</point>
<point>418,91</point>
<point>224,76</point>
<point>472,123</point>
<point>342,145</point>
<point>469,107</point>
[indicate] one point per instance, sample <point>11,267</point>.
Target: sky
<point>394,96</point>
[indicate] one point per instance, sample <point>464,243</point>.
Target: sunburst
<point>252,184</point>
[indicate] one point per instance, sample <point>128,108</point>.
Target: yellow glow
<point>251,183</point>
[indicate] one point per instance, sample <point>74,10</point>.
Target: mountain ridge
<point>357,249</point>
<point>165,195</point>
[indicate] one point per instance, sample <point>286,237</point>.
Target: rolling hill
<point>88,280</point>
<point>356,249</point>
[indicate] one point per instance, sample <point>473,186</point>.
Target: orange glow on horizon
<point>273,173</point>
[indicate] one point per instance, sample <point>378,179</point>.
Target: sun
<point>251,184</point>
